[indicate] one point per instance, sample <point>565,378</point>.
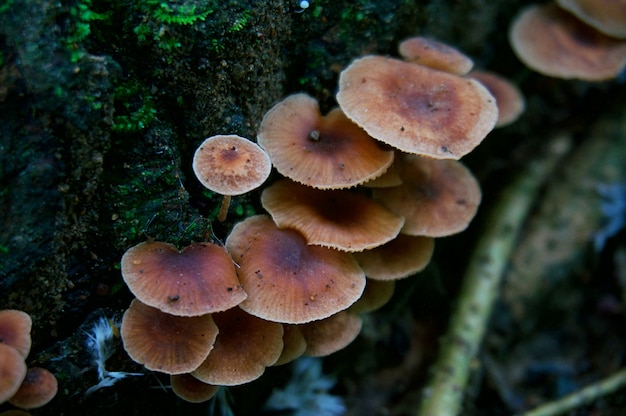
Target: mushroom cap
<point>245,346</point>
<point>288,280</point>
<point>331,334</point>
<point>38,388</point>
<point>606,16</point>
<point>190,389</point>
<point>416,109</point>
<point>435,54</point>
<point>554,43</point>
<point>12,371</point>
<point>509,98</point>
<point>15,329</point>
<point>197,280</point>
<point>166,343</point>
<point>294,344</point>
<point>327,152</point>
<point>339,219</point>
<point>437,197</point>
<point>401,257</point>
<point>376,294</point>
<point>231,165</point>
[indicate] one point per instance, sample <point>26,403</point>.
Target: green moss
<point>135,108</point>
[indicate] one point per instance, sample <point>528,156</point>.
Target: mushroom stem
<point>221,215</point>
<point>480,287</point>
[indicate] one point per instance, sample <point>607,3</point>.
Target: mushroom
<point>288,280</point>
<point>401,257</point>
<point>325,152</point>
<point>38,388</point>
<point>509,98</point>
<point>166,343</point>
<point>435,54</point>
<point>15,329</point>
<point>606,16</point>
<point>197,280</point>
<point>230,165</point>
<point>554,43</point>
<point>339,219</point>
<point>376,294</point>
<point>331,334</point>
<point>12,371</point>
<point>245,346</point>
<point>437,197</point>
<point>416,109</point>
<point>294,344</point>
<point>192,390</point>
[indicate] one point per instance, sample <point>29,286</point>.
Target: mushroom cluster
<point>363,192</point>
<point>23,387</point>
<point>568,39</point>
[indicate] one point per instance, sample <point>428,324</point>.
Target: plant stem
<point>444,394</point>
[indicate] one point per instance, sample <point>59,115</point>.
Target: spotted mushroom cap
<point>325,152</point>
<point>38,389</point>
<point>434,54</point>
<point>437,197</point>
<point>166,343</point>
<point>231,165</point>
<point>416,109</point>
<point>554,43</point>
<point>508,97</point>
<point>339,219</point>
<point>288,280</point>
<point>12,371</point>
<point>245,346</point>
<point>196,280</point>
<point>606,16</point>
<point>15,329</point>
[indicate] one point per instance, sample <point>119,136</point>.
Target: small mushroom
<point>12,371</point>
<point>192,390</point>
<point>15,329</point>
<point>331,334</point>
<point>294,344</point>
<point>325,152</point>
<point>509,98</point>
<point>376,294</point>
<point>38,389</point>
<point>416,109</point>
<point>434,54</point>
<point>197,280</point>
<point>606,16</point>
<point>230,165</point>
<point>338,219</point>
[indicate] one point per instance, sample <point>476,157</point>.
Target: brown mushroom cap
<point>12,371</point>
<point>437,197</point>
<point>166,343</point>
<point>38,388</point>
<point>288,280</point>
<point>197,280</point>
<point>190,389</point>
<point>416,109</point>
<point>554,43</point>
<point>401,257</point>
<point>435,54</point>
<point>245,346</point>
<point>294,344</point>
<point>15,329</point>
<point>327,152</point>
<point>509,98</point>
<point>376,294</point>
<point>606,16</point>
<point>339,219</point>
<point>231,165</point>
<point>331,334</point>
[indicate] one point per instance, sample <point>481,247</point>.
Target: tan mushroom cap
<point>38,389</point>
<point>331,334</point>
<point>166,343</point>
<point>376,294</point>
<point>12,371</point>
<point>555,43</point>
<point>245,346</point>
<point>197,280</point>
<point>325,152</point>
<point>288,280</point>
<point>294,344</point>
<point>437,197</point>
<point>338,219</point>
<point>416,109</point>
<point>15,329</point>
<point>192,390</point>
<point>401,257</point>
<point>435,54</point>
<point>606,16</point>
<point>231,165</point>
<point>509,98</point>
